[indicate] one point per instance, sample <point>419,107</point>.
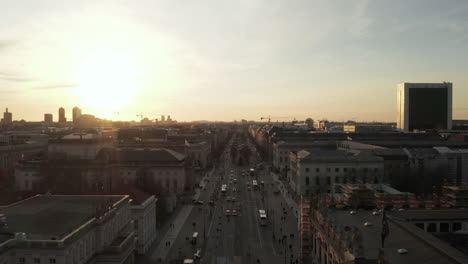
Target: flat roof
<point>419,250</point>
<point>44,217</point>
<point>423,214</point>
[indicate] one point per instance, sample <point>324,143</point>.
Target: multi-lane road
<point>238,238</point>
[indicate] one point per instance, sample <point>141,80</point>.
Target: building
<point>61,229</point>
<point>7,117</point>
<point>424,106</point>
<point>62,118</point>
<point>316,171</point>
<point>48,118</point>
<point>367,128</point>
<point>456,196</point>
<point>332,236</point>
<point>76,112</point>
<point>16,148</point>
<point>77,146</point>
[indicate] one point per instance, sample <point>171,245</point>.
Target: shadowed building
<point>424,106</point>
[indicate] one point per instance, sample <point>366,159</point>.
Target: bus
<point>255,185</point>
<point>263,217</point>
<point>223,188</point>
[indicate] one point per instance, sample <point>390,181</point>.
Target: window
<point>420,225</point>
<point>307,180</point>
<point>432,227</point>
<point>281,159</point>
<point>375,169</point>
<point>52,260</point>
<point>328,180</point>
<point>317,169</point>
<point>337,169</point>
<point>317,180</point>
<point>337,179</point>
<point>456,226</point>
<point>353,169</point>
<point>328,169</point>
<point>37,260</point>
<point>365,169</point>
<point>307,169</point>
<point>444,227</point>
<point>22,260</point>
<point>345,169</point>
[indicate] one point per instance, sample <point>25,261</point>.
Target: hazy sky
<point>225,60</point>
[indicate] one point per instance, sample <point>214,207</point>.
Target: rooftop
<point>420,245</point>
<point>44,217</point>
<point>431,214</point>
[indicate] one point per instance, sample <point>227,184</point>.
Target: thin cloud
<point>14,77</point>
<point>56,86</point>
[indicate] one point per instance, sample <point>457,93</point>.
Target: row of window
<point>344,169</point>
<point>352,179</point>
<point>37,260</point>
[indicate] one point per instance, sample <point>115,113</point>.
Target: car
<point>228,198</point>
<point>352,212</point>
<point>276,191</point>
<point>367,224</point>
<point>228,213</point>
<point>235,180</point>
<point>234,212</point>
<point>234,189</point>
<point>212,202</point>
<point>232,171</point>
<point>199,202</point>
<point>233,199</point>
<point>402,251</point>
<point>248,188</point>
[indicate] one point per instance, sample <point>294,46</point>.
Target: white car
<point>228,213</point>
<point>352,212</point>
<point>376,213</point>
<point>234,212</point>
<point>402,251</point>
<point>366,224</point>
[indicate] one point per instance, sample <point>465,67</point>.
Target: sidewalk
<point>286,195</point>
<point>162,250</point>
<point>160,253</point>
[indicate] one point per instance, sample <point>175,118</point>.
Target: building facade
<point>424,106</point>
<point>68,229</point>
<point>315,172</point>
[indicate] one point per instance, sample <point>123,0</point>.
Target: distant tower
<point>62,118</point>
<point>168,118</point>
<point>424,106</point>
<point>163,118</point>
<point>76,114</point>
<point>7,117</point>
<point>48,118</point>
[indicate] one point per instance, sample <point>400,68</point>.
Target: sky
<point>226,60</point>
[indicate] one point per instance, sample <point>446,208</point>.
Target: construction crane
<point>276,117</point>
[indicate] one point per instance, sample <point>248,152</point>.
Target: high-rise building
<point>424,106</point>
<point>7,117</point>
<point>48,118</point>
<point>163,118</point>
<point>76,114</point>
<point>62,118</point>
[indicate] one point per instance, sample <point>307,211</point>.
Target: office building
<point>48,118</point>
<point>424,106</point>
<point>62,118</point>
<point>76,112</point>
<point>7,117</point>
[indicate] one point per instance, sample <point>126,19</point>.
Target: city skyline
<point>223,60</point>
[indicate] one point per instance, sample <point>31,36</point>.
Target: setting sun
<point>108,79</point>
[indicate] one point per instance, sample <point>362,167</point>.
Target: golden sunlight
<point>108,79</point>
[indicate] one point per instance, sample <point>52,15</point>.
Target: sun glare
<point>108,80</point>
